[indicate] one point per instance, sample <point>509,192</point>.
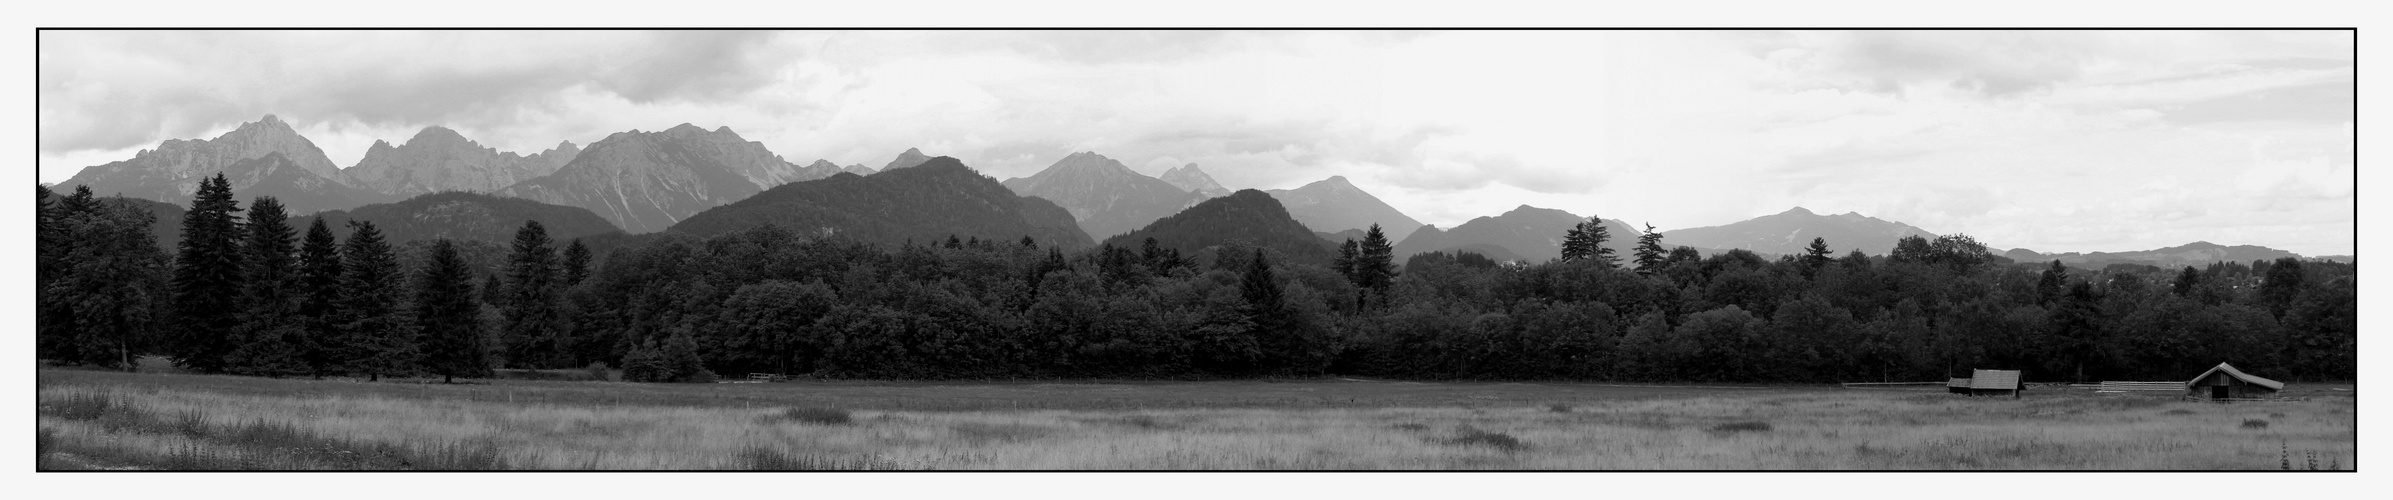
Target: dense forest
<point>247,292</point>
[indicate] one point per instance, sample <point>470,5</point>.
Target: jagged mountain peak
<point>1191,179</point>
<point>171,172</point>
<point>912,157</point>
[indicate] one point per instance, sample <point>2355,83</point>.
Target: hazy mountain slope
<point>1333,205</point>
<point>1789,232</point>
<point>2196,254</point>
<point>1189,178</point>
<point>438,159</point>
<point>466,216</point>
<point>1104,197</point>
<point>648,181</point>
<point>300,191</point>
<point>1247,218</point>
<point>1531,233</point>
<point>925,203</point>
<point>172,171</point>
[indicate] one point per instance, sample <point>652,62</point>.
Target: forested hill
<point>1246,218</point>
<point>464,216</point>
<point>932,201</point>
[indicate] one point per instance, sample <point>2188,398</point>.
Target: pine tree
<point>1574,243</point>
<point>530,332</point>
<point>1597,235</point>
<point>319,291</point>
<point>577,263</point>
<point>375,338</point>
<point>207,278</point>
<point>1349,254</point>
<point>1264,304</point>
<point>2050,285</point>
<point>54,319</point>
<point>1650,255</point>
<point>449,316</point>
<point>2187,282</point>
<point>270,340</point>
<point>1375,261</point>
<point>1815,256</point>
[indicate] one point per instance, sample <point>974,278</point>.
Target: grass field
<point>108,420</point>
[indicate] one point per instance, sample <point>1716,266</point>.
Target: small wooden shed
<point>1988,383</point>
<point>2224,382</point>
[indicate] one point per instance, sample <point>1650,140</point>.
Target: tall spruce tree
<point>1349,253</point>
<point>1375,261</point>
<point>53,317</point>
<point>1597,235</point>
<point>207,279</point>
<point>1650,255</point>
<point>270,340</point>
<point>1574,243</point>
<point>376,338</point>
<point>531,331</point>
<point>319,290</point>
<point>449,316</point>
<point>577,263</point>
<point>1264,302</point>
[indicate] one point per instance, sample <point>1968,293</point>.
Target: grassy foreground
<point>106,420</point>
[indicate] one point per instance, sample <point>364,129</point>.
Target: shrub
<point>2255,424</point>
<point>645,364</point>
<point>1736,427</point>
<point>1558,408</point>
<point>598,370</point>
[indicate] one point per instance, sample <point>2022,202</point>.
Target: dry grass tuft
<point>813,415</point>
<point>2255,424</point>
<point>1736,427</point>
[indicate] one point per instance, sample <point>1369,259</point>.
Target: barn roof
<point>2232,372</point>
<point>1994,379</point>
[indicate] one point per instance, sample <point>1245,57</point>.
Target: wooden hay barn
<point>2224,382</point>
<point>1988,383</point>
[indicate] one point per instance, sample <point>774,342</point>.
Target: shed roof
<point>1994,379</point>
<point>2232,372</point>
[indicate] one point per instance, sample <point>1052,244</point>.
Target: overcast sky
<point>2054,141</point>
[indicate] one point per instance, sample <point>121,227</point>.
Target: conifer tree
<point>269,341</point>
<point>1349,253</point>
<point>1574,243</point>
<point>1650,255</point>
<point>1263,296</point>
<point>319,290</point>
<point>54,320</point>
<point>1815,256</point>
<point>577,263</point>
<point>2187,282</point>
<point>1375,261</point>
<point>449,316</point>
<point>530,332</point>
<point>207,278</point>
<point>375,337</point>
<point>1597,235</point>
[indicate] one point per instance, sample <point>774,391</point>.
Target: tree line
<point>238,297</point>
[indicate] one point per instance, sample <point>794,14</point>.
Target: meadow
<point>148,421</point>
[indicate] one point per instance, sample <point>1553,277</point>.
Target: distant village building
<point>2225,382</point>
<point>1988,383</point>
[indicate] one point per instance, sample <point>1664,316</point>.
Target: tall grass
<point>164,423</point>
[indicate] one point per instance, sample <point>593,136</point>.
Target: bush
<point>1558,408</point>
<point>2255,424</point>
<point>598,370</point>
<point>645,364</point>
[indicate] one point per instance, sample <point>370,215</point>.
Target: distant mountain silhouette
<point>648,181</point>
<point>859,169</point>
<point>1333,205</point>
<point>2196,254</point>
<point>172,172</point>
<point>1341,236</point>
<point>1787,233</point>
<point>438,159</point>
<point>1189,178</point>
<point>300,191</point>
<point>925,203</point>
<point>465,216</point>
<point>911,158</point>
<point>1105,197</point>
<point>1246,218</point>
<point>1526,232</point>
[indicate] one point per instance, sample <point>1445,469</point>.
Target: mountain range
<point>438,159</point>
<point>1105,197</point>
<point>927,202</point>
<point>1787,233</point>
<point>1525,233</point>
<point>1189,178</point>
<point>647,182</point>
<point>1333,204</point>
<point>1247,218</point>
